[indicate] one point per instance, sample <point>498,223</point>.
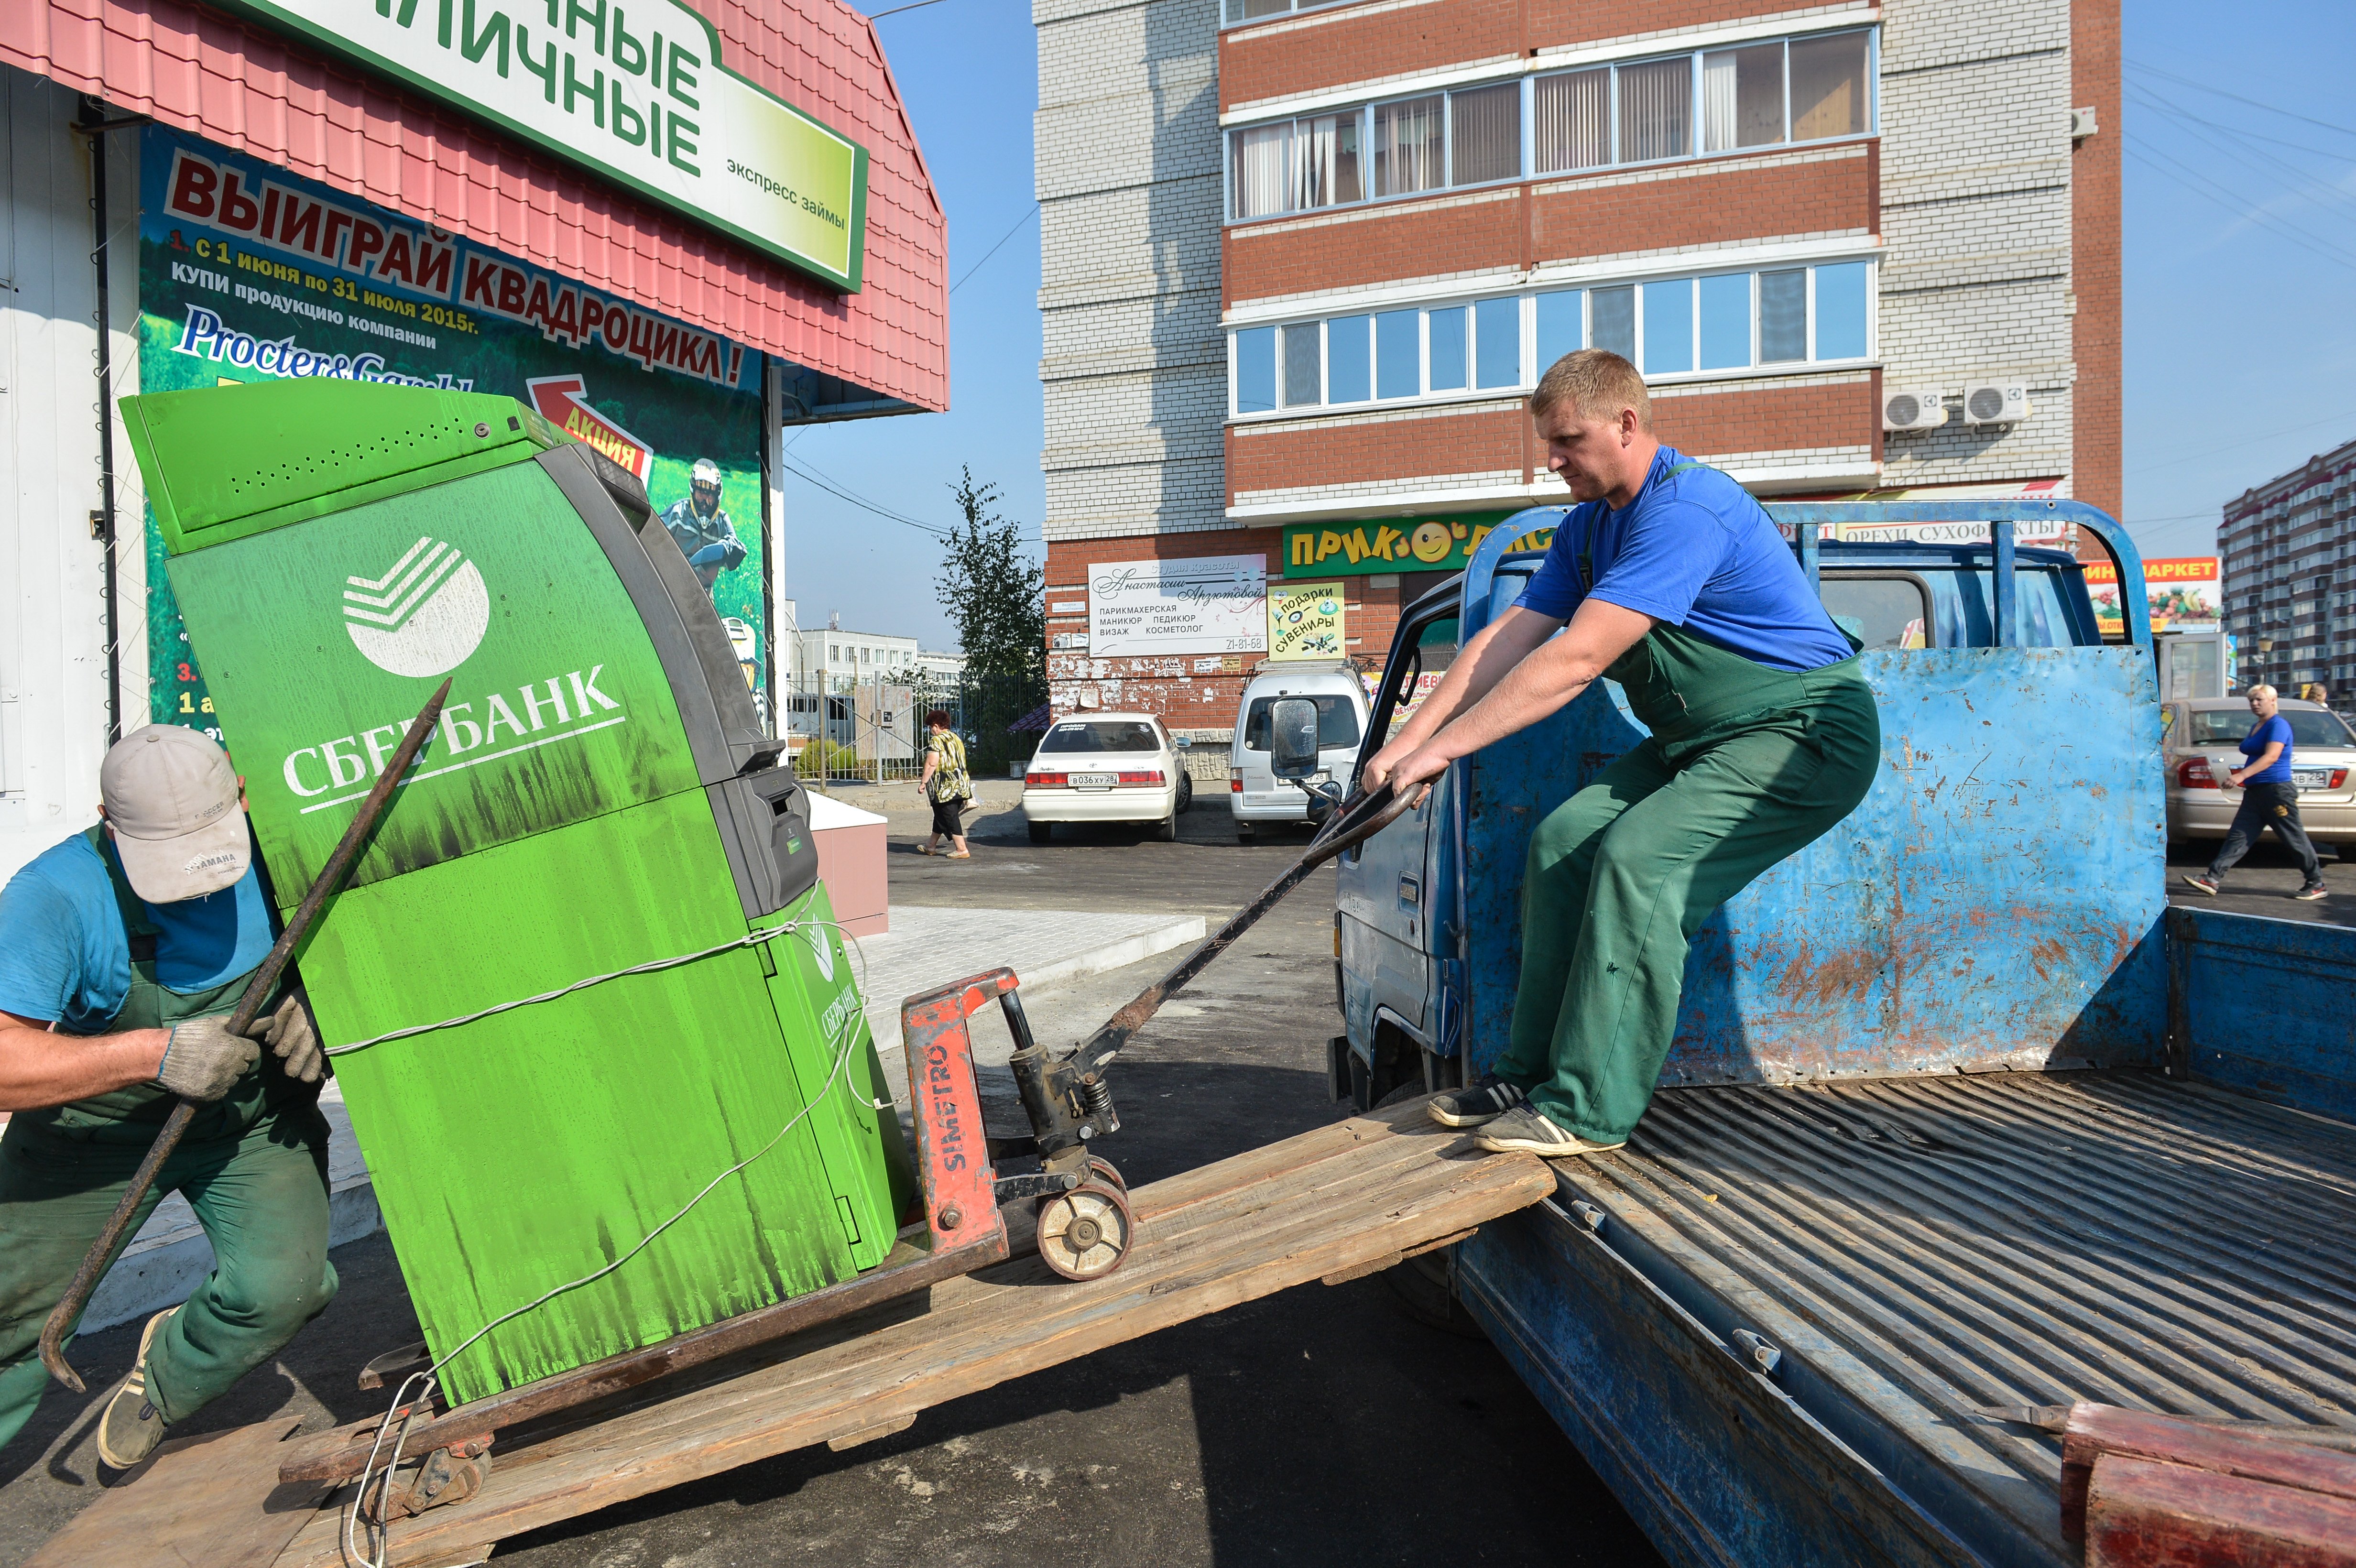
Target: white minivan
<point>1254,795</point>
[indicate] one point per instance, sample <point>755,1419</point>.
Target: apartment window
<point>1349,368</point>
<point>1302,356</point>
<point>1655,110</point>
<point>1485,134</point>
<point>833,653</point>
<point>1742,98</point>
<point>1715,322</point>
<point>1558,327</point>
<point>1572,118</point>
<point>1829,87</point>
<point>1407,142</point>
<point>1294,166</point>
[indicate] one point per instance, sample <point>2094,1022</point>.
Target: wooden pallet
<point>1332,1204</point>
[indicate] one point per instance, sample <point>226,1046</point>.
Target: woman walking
<point>2269,799</point>
<point>947,784</point>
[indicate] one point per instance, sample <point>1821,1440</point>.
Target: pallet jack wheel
<point>1103,1171</point>
<point>1085,1233</point>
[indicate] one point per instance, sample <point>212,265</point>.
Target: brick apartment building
<point>1303,264</point>
<point>2289,549</point>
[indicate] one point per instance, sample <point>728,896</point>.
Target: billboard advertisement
<point>247,272</point>
<point>1201,604</point>
<point>2185,593</point>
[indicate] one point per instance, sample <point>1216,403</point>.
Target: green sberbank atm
<point>597,797</point>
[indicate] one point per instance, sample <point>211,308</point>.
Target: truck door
<point>1389,898</point>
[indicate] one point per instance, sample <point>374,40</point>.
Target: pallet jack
<point>1086,1227</point>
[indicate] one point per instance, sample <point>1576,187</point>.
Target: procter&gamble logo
<point>423,617</point>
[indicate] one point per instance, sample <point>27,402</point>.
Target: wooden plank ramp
<point>1331,1204</point>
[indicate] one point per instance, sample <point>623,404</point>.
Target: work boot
<point>1523,1130</point>
<point>1470,1106</point>
<point>131,1426</point>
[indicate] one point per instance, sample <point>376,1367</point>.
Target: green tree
<point>997,598</point>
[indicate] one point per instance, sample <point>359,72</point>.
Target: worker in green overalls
<point>1672,581</point>
<point>123,952</point>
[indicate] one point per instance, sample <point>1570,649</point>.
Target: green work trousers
<point>261,1198</point>
<point>1621,875</point>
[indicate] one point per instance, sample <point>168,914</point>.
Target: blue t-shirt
<point>65,958</point>
<point>2264,734</point>
<point>1697,552</point>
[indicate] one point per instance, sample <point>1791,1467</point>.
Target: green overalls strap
<point>1745,766</point>
<point>253,1166</point>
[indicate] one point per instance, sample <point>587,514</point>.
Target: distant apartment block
<point>1303,264</point>
<point>2289,549</point>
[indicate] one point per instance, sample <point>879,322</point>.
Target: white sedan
<point>1106,767</point>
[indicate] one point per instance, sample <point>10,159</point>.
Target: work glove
<point>203,1058</point>
<point>293,1037</point>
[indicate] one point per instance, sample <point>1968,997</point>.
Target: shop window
<point>1398,354</point>
<point>1447,334</point>
<point>1558,329</point>
<point>1484,133</point>
<point>1782,316</point>
<point>1407,144</point>
<point>1669,327</point>
<point>1348,367</point>
<point>1497,342</point>
<point>1572,117</point>
<point>1655,110</point>
<point>1726,320</point>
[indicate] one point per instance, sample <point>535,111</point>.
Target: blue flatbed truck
<point>1960,1113</point>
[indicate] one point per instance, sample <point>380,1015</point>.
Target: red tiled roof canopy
<point>249,89</point>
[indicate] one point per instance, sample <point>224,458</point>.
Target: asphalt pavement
<point>2263,883</point>
<point>1319,1426</point>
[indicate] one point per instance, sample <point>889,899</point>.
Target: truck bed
<point>1915,1249</point>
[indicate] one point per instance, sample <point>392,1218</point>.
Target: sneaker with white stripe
<point>1482,1102</point>
<point>1525,1130</point>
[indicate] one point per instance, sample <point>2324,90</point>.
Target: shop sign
<point>1391,545</point>
<point>638,95</point>
<point>2184,593</point>
<point>1304,621</point>
<point>1203,604</point>
<point>249,273</point>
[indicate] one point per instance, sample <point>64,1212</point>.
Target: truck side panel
<point>2262,1006</point>
<point>1994,903</point>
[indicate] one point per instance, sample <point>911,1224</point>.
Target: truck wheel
<point>1424,1286</point>
<point>1041,831</point>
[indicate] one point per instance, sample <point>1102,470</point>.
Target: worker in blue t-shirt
<point>123,952</point>
<point>2269,799</point>
<point>1672,581</point>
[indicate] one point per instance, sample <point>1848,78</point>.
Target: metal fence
<point>873,730</point>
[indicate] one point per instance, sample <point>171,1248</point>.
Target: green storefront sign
<point>248,273</point>
<point>637,95</point>
<point>1386,544</point>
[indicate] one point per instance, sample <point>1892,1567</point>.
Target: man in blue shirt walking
<point>2269,799</point>
<point>123,952</point>
<point>1672,581</point>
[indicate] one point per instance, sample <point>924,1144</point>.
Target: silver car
<point>2203,738</point>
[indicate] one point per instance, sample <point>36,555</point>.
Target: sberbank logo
<point>423,617</point>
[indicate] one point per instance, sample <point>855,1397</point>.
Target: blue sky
<point>2240,271</point>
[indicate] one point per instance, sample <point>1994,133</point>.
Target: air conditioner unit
<point>1995,402</point>
<point>1916,407</point>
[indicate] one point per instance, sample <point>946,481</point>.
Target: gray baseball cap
<point>171,797</point>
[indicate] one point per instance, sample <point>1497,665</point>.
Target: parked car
<point>1255,795</point>
<point>2204,740</point>
<point>1106,767</point>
